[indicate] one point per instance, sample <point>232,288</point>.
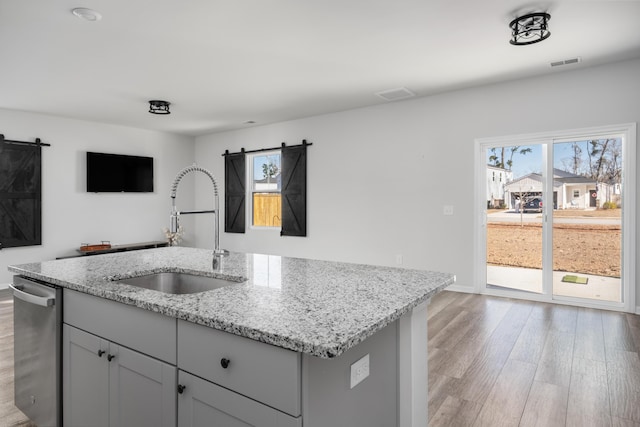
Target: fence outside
<point>267,208</point>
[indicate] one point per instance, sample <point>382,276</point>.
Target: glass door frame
<point>628,134</point>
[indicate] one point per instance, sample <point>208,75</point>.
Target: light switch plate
<point>359,370</point>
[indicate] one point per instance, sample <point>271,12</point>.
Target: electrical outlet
<point>447,210</point>
<point>399,259</point>
<point>359,370</point>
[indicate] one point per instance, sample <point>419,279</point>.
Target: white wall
<point>70,215</point>
<point>378,177</point>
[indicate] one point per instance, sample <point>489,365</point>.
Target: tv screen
<point>114,173</point>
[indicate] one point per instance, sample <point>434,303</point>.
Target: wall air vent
<point>396,94</point>
<point>566,62</point>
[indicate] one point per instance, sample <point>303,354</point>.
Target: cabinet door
<point>204,404</point>
<point>142,390</point>
<point>85,373</point>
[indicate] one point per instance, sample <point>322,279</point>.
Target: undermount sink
<point>178,283</point>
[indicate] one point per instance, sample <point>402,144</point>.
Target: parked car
<point>533,205</point>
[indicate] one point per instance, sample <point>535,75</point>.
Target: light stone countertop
<point>322,308</point>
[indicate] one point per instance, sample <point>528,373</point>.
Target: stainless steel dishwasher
<point>37,320</point>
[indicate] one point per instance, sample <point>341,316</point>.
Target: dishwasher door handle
<point>30,298</point>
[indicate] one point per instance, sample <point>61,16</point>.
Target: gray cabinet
<point>205,404</point>
<point>193,375</point>
<point>106,384</point>
<point>85,394</point>
<point>142,390</point>
<point>150,333</point>
<point>263,372</point>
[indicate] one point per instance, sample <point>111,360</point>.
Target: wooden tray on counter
<point>85,247</point>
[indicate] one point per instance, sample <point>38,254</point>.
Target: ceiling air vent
<point>396,94</point>
<point>566,62</point>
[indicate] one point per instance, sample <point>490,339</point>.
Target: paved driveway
<point>532,217</point>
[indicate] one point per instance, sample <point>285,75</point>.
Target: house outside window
<point>576,194</point>
<point>266,185</point>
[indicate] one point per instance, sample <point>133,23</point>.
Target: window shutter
<point>20,195</point>
<point>234,193</point>
<point>294,190</point>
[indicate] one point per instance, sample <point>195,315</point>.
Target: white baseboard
<point>460,288</point>
<point>468,290</point>
<point>4,286</point>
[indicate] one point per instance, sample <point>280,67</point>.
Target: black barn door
<point>235,193</point>
<point>20,195</point>
<point>294,190</point>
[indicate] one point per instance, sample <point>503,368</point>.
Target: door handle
<point>30,298</point>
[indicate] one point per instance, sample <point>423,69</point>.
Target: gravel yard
<point>578,248</point>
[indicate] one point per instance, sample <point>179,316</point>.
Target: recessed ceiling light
<point>87,14</point>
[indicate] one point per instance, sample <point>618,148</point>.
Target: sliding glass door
<point>552,217</point>
<point>587,223</point>
<point>515,198</point>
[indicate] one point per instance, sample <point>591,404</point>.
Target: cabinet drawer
<point>142,330</point>
<point>202,403</point>
<point>260,371</point>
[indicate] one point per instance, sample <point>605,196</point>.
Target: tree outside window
<point>266,186</point>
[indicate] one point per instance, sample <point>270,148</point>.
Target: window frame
<point>251,191</point>
<point>627,131</point>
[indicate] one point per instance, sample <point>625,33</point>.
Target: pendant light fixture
<point>529,29</point>
<point>159,107</point>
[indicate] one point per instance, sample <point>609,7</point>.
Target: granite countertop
<point>321,308</point>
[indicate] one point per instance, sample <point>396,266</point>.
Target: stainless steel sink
<point>178,283</point>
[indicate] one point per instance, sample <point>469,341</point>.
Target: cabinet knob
<point>224,362</point>
<point>110,357</point>
<point>101,352</point>
<point>181,388</point>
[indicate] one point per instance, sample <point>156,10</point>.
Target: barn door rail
<point>38,142</point>
<point>242,151</point>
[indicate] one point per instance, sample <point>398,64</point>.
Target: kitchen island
<point>355,335</point>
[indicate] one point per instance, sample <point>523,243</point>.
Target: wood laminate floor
<point>506,362</point>
<point>494,362</point>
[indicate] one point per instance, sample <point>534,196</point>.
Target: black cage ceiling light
<point>159,107</point>
<point>529,29</point>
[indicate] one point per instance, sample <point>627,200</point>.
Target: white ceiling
<point>223,63</point>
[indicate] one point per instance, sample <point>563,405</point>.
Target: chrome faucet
<point>175,214</point>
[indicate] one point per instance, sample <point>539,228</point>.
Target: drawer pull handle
<point>101,352</point>
<point>110,357</point>
<point>181,388</point>
<point>224,362</point>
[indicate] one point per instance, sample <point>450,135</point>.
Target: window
<point>576,194</point>
<point>277,189</point>
<point>266,187</point>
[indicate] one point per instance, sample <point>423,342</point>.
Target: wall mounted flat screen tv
<point>115,173</point>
